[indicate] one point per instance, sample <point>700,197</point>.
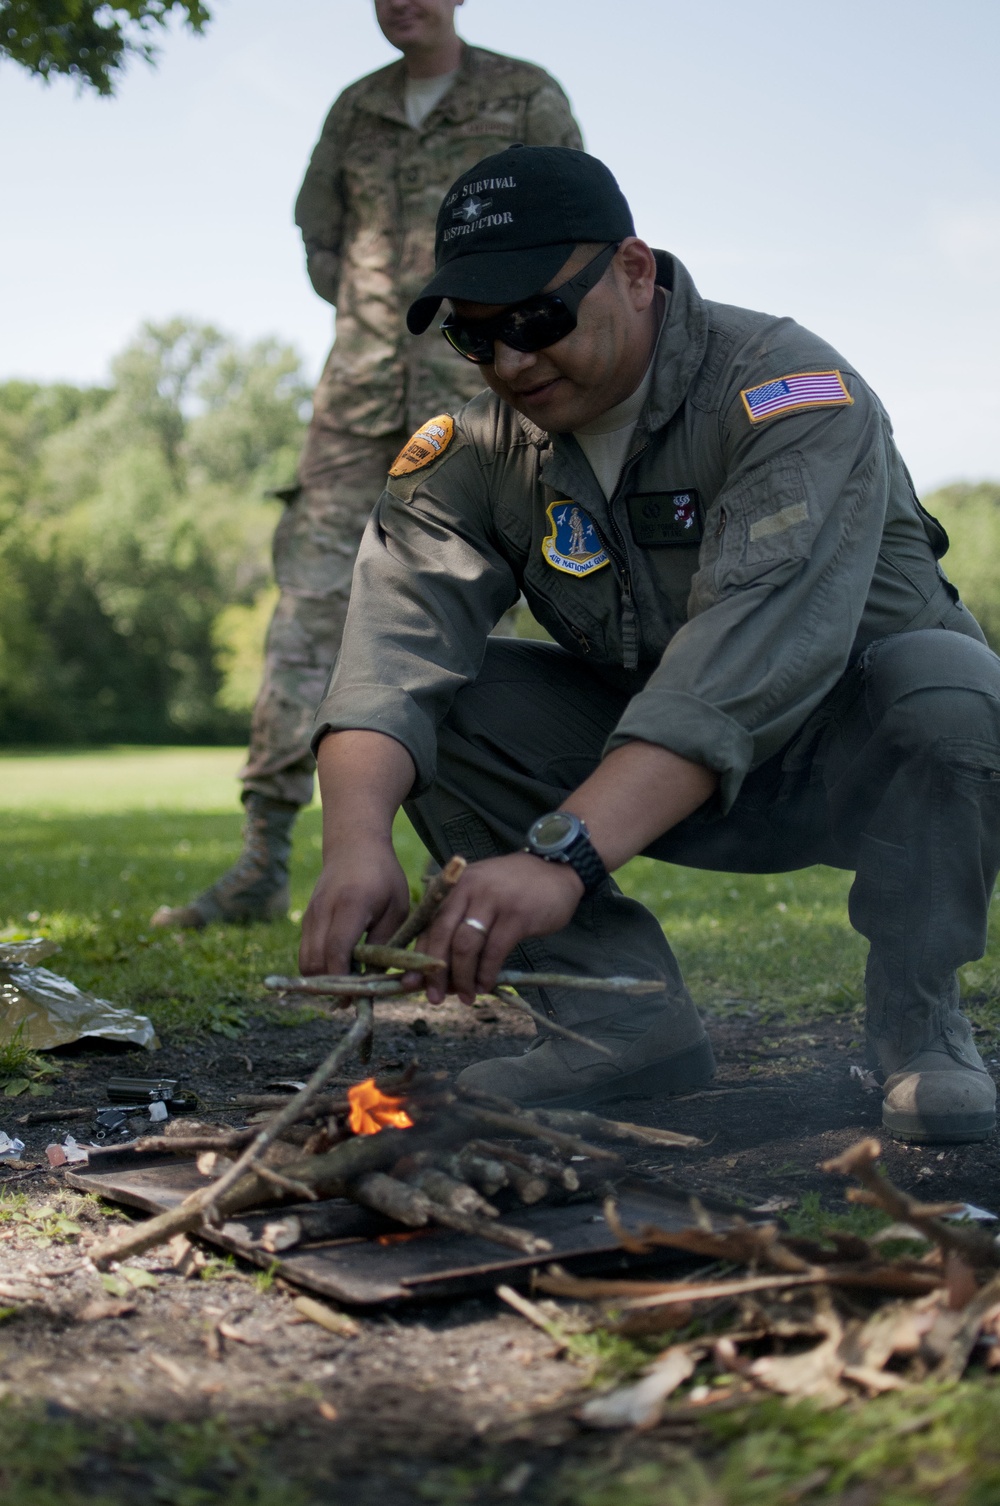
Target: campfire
<point>372,1110</point>
<point>418,1149</point>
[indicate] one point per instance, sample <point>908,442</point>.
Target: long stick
<point>552,1026</point>
<point>349,985</point>
<point>436,893</point>
<point>290,1113</point>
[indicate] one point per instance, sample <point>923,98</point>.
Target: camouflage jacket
<point>367,208</point>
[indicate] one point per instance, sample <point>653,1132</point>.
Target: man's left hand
<point>509,898</point>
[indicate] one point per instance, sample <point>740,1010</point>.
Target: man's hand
<point>510,898</point>
<point>364,777</point>
<point>361,891</point>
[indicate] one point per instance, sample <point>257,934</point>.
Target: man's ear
<point>638,264</point>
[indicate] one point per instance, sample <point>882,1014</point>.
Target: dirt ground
<point>427,1384</point>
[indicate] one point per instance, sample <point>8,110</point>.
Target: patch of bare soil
<point>424,1386</point>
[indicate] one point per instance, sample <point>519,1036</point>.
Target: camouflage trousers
<point>341,478</point>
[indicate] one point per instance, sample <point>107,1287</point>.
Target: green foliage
<point>23,1070</point>
<point>134,540</point>
<point>971,514</point>
<point>89,40</point>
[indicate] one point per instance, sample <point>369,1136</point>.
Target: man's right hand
<point>364,778</point>
<point>358,891</point>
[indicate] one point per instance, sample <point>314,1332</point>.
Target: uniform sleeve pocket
<point>765,525</point>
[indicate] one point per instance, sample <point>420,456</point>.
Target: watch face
<point>551,833</point>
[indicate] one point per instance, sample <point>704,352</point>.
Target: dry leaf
<point>640,1405</point>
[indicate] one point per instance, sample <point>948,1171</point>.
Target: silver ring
<point>476,925</point>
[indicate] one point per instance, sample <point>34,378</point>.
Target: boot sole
<point>940,1129</point>
<point>683,1073</point>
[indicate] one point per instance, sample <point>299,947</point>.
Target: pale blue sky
<point>836,163</point>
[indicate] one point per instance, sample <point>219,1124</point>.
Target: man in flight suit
<point>758,663</point>
<point>390,146</point>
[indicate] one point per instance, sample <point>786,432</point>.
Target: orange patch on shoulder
<point>430,441</point>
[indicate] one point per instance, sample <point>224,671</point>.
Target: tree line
<point>135,527</point>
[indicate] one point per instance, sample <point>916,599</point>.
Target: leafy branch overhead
<point>88,40</point>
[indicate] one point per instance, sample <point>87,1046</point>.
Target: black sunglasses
<point>531,325</point>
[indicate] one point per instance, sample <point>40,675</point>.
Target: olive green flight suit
<point>761,595</point>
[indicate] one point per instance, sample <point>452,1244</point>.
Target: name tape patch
<point>659,519</point>
<point>790,394</point>
<point>425,445</point>
<point>574,544</point>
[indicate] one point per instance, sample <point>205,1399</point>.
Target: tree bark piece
<point>445,1189</point>
<point>384,1194</point>
<point>539,1166</point>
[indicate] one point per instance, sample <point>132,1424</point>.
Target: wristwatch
<point>561,837</point>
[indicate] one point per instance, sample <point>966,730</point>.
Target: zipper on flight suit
<point>630,622</point>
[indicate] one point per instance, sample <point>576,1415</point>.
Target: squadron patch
<point>425,445</point>
<point>574,544</point>
<point>660,519</point>
<point>790,394</point>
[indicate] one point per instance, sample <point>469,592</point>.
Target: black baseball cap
<point>508,224</point>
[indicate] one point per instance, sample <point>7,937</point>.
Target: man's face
<point>416,23</point>
<point>597,365</point>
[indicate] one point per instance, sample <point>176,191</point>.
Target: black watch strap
<point>571,846</point>
<point>585,860</point>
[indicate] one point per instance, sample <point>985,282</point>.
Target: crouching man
<point>757,663</point>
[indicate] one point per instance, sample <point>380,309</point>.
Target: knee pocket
<point>948,672</point>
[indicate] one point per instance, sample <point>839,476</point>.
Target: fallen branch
<point>976,1246</point>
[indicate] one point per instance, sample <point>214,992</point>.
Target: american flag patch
<point>804,389</point>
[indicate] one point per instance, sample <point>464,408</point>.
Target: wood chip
<point>176,1373</point>
<point>99,1308</point>
<point>327,1317</point>
<point>230,1331</point>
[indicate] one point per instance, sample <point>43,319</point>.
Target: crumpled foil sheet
<point>52,1010</point>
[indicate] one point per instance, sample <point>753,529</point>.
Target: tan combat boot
<point>256,887</point>
<point>943,1095</point>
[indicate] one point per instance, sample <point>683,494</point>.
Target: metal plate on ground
<point>368,1259</point>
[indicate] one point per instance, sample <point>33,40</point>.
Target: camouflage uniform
<point>367,210</point>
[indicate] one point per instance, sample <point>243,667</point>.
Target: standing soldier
<point>390,147</point>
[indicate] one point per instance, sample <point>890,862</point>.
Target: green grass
<point>95,841</point>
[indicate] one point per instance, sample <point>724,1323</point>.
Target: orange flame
<point>372,1111</point>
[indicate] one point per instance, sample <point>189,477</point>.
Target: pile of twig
<point>826,1319</point>
<point>443,1169</point>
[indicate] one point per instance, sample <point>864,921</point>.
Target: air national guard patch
<point>425,445</point>
<point>790,394</point>
<point>574,544</point>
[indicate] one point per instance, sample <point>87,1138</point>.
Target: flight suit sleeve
<point>429,585</point>
<point>319,208</point>
<point>549,119</point>
<point>789,551</point>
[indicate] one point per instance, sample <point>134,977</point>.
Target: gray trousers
<point>895,776</point>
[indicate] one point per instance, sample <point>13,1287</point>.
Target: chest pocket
<point>764,525</point>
